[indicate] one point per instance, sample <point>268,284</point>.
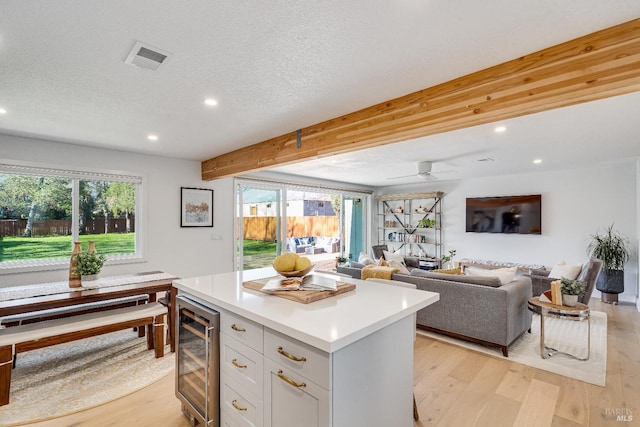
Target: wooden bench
<point>72,310</point>
<point>19,339</point>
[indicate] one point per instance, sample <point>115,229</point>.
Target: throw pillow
<point>505,275</point>
<point>397,256</point>
<point>382,263</point>
<point>365,259</point>
<point>401,268</point>
<point>568,271</point>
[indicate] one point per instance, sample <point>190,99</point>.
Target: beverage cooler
<point>198,362</point>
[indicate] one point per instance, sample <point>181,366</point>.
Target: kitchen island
<point>344,361</point>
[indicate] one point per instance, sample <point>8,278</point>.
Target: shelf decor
<point>196,207</point>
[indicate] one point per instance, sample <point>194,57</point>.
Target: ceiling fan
<point>424,167</point>
<point>424,172</point>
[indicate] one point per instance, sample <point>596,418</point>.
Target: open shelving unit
<point>412,223</point>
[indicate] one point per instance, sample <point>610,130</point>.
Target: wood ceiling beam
<point>599,65</point>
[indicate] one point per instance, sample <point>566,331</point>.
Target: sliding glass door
<point>321,224</point>
<point>258,226</point>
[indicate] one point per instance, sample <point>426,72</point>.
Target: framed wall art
<point>196,207</point>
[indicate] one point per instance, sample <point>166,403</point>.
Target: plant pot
<point>569,300</point>
<point>89,277</point>
<point>610,283</point>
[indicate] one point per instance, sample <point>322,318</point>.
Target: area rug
<point>67,378</point>
<point>565,335</point>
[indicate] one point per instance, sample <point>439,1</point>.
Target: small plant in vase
<point>571,290</point>
<point>88,265</point>
<point>341,260</point>
<point>447,260</point>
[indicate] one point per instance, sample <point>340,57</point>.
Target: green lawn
<point>255,247</point>
<point>258,253</point>
<point>26,248</point>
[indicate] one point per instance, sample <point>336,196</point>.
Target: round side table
<point>577,313</point>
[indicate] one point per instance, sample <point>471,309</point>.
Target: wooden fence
<point>264,227</point>
<point>61,227</point>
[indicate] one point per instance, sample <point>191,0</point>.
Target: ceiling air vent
<point>145,56</point>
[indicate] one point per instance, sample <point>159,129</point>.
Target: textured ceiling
<point>273,67</point>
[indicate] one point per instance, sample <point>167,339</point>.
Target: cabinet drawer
<point>241,364</point>
<point>292,400</point>
<point>240,405</point>
<point>244,330</point>
<point>226,420</point>
<point>298,357</point>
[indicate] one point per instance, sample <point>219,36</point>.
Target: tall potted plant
<point>610,247</point>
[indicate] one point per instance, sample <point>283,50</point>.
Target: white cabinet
<point>273,384</point>
<point>241,371</point>
<point>269,379</point>
<point>297,380</point>
<point>292,400</point>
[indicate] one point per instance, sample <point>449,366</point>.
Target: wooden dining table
<point>81,296</point>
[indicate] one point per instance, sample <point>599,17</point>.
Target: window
<point>44,210</point>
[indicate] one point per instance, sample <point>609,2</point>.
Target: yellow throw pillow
<point>450,271</point>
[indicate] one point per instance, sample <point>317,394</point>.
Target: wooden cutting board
<point>304,297</point>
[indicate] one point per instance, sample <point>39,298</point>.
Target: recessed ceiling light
<point>152,137</point>
<point>537,161</point>
<point>3,111</point>
<point>210,102</point>
<point>499,129</point>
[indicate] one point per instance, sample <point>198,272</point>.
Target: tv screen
<point>508,214</point>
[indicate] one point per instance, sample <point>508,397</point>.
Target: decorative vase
<point>448,265</point>
<point>74,279</point>
<point>569,300</point>
<point>92,246</point>
<point>89,277</point>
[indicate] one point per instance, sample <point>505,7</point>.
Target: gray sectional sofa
<point>477,309</point>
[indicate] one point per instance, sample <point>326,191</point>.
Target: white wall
<point>168,247</point>
<point>575,203</point>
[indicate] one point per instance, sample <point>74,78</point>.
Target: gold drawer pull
<point>234,402</point>
<point>289,381</point>
<point>237,365</point>
<point>291,356</point>
<point>238,329</point>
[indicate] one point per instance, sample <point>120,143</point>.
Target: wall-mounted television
<point>505,214</point>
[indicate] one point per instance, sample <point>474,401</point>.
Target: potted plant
<point>447,262</point>
<point>610,247</point>
<point>426,223</point>
<point>571,290</point>
<point>341,260</point>
<point>88,265</point>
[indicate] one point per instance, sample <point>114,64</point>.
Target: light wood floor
<point>456,387</point>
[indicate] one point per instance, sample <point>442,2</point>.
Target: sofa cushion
<point>365,259</point>
<point>397,256</point>
<point>568,271</point>
<point>395,264</point>
<point>412,262</point>
<point>493,282</point>
<point>505,275</point>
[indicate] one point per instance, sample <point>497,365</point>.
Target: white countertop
<point>329,324</point>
